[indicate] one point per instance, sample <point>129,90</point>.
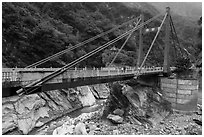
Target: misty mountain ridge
<point>192,10</point>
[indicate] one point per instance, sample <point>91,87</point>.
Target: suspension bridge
<point>31,79</point>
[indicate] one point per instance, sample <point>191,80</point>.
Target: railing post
<point>166,64</point>
<point>97,72</point>
<point>92,75</point>
<point>14,75</point>
<point>108,71</point>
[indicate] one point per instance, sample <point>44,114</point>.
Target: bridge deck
<point>15,79</point>
<point>25,76</point>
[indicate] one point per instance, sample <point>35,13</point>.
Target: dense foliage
<point>182,64</point>
<point>33,31</point>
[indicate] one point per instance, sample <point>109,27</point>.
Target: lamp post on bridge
<point>166,65</point>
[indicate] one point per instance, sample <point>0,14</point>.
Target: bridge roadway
<point>13,79</point>
<point>31,74</point>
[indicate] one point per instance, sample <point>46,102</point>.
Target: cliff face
<point>30,111</point>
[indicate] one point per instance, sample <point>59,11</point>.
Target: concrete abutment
<point>182,93</point>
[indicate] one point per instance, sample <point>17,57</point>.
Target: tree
<point>182,64</point>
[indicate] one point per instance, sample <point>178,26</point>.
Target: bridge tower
<point>140,51</point>
<point>166,65</point>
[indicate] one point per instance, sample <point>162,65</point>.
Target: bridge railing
<point>15,74</point>
<point>10,76</point>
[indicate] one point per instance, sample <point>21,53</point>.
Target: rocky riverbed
<point>22,114</point>
<point>127,111</point>
<point>91,123</point>
<point>120,122</point>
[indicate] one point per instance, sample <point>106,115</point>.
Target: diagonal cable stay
<point>66,67</point>
<point>139,69</point>
<point>78,45</point>
<point>123,44</point>
<point>177,39</point>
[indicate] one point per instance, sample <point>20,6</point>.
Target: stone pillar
<point>182,93</point>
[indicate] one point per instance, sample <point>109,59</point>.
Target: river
<point>59,121</point>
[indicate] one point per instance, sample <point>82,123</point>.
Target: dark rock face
<point>85,96</point>
<point>100,91</point>
<point>116,100</point>
<point>142,105</point>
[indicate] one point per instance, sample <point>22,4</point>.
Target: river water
<point>99,105</point>
<point>49,130</point>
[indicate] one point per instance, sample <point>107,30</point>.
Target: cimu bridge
<point>31,79</point>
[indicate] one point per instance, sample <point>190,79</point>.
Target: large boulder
<point>64,130</point>
<point>101,91</point>
<point>23,113</point>
<point>9,117</point>
<point>133,97</point>
<point>30,109</point>
<point>148,102</point>
<point>141,105</point>
<point>80,129</point>
<point>85,96</point>
<point>115,118</point>
<point>119,112</point>
<point>115,100</point>
<point>59,99</point>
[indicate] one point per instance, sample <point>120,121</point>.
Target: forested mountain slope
<point>33,31</point>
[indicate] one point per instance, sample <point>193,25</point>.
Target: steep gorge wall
<point>30,111</point>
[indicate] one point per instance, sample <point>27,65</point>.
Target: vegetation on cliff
<point>33,31</point>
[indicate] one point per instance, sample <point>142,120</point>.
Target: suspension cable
<point>123,44</point>
<point>182,47</point>
<point>174,42</point>
<point>63,69</point>
<point>174,31</point>
<point>177,37</point>
<point>78,45</point>
<point>174,45</point>
<point>152,44</point>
